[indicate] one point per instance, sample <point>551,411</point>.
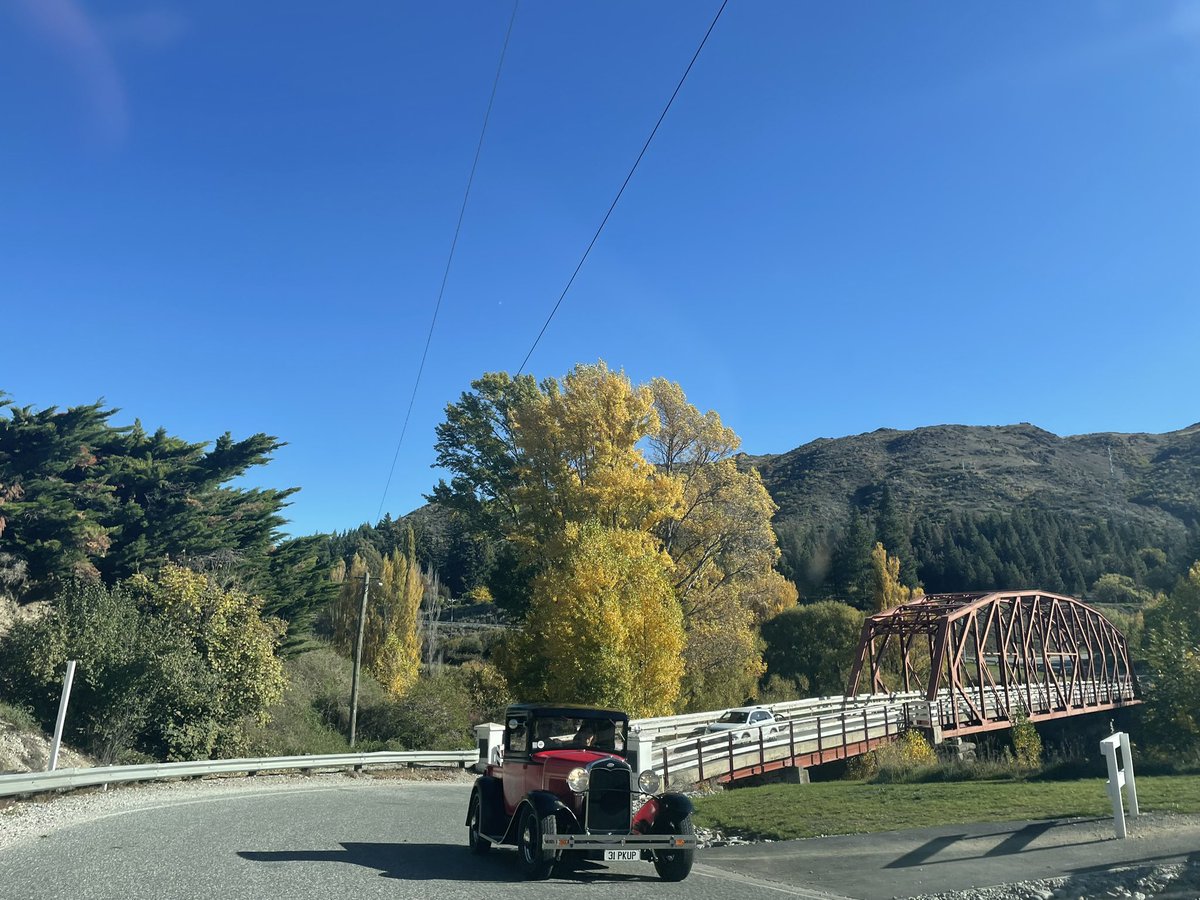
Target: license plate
<point>622,855</point>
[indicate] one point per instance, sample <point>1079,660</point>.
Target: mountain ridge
<point>1153,479</point>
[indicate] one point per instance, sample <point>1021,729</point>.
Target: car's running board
<point>608,841</point>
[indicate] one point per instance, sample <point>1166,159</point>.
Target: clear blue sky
<point>235,216</point>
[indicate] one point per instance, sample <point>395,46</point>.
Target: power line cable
<point>624,184</point>
<point>450,258</point>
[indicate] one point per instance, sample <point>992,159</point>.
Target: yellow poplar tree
<point>391,636</point>
<point>723,551</point>
<point>536,463</point>
<point>579,456</point>
<point>603,626</point>
<point>888,591</point>
<point>343,612</point>
<point>393,622</point>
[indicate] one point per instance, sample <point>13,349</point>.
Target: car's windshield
<point>578,733</point>
<point>734,716</point>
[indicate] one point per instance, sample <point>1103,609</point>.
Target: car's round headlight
<point>649,782</point>
<point>577,780</point>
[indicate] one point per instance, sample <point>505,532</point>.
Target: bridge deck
<point>821,733</point>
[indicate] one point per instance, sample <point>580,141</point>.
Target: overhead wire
<point>450,257</point>
<point>624,184</point>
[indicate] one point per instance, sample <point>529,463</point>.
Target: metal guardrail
<point>67,779</point>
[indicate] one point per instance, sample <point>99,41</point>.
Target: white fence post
<point>488,736</point>
<point>641,751</point>
<point>1127,771</point>
<point>55,744</point>
<point>1120,775</point>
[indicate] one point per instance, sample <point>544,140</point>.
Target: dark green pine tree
<point>55,495</point>
<point>851,572</point>
<point>295,587</point>
<point>893,529</point>
<point>81,498</point>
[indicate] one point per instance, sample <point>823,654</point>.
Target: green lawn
<point>785,811</point>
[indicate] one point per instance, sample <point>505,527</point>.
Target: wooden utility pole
<point>362,624</point>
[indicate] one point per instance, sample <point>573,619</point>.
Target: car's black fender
<point>672,810</point>
<point>492,819</point>
<point>546,803</point>
<point>543,803</point>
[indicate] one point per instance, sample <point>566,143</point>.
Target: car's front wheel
<point>674,865</point>
<point>475,840</point>
<point>536,863</point>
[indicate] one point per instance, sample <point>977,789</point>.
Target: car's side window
<point>758,717</point>
<point>517,736</point>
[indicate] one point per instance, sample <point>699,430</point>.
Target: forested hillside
<point>963,507</point>
<point>968,507</point>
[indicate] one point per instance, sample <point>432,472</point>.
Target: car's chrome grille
<point>608,800</point>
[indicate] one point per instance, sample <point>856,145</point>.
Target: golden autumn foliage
<point>889,592</point>
<point>723,551</point>
<point>723,656</point>
<point>391,637</point>
<point>579,459</point>
<point>603,626</point>
<point>393,626</point>
<point>641,535</point>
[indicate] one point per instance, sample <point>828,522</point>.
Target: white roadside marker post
<point>1120,776</point>
<point>62,716</point>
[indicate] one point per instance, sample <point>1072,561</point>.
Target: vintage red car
<point>564,792</point>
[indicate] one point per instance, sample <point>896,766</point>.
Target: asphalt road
<point>352,839</point>
<point>296,838</point>
<point>946,858</point>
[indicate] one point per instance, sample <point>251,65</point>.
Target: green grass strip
<point>789,811</point>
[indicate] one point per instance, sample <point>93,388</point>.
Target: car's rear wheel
<point>475,840</point>
<point>536,863</point>
<point>674,865</point>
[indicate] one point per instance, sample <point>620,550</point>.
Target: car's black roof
<point>565,709</point>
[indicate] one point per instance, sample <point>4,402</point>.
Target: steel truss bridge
<point>952,664</point>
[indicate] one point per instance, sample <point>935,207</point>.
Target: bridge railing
<point>726,755</point>
<point>830,728</point>
<point>668,728</point>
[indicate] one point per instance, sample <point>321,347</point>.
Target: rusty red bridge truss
<point>982,658</point>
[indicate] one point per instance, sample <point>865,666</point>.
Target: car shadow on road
<point>434,862</point>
